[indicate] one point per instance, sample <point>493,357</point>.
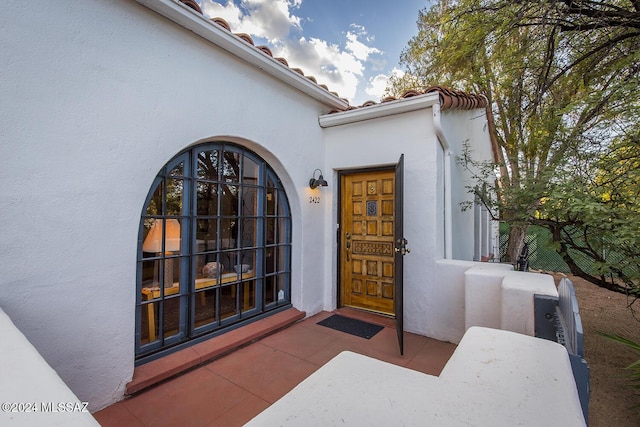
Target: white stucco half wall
<point>32,394</point>
<point>494,378</point>
<point>518,308</point>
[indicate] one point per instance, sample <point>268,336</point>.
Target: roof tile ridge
<point>266,50</point>
<point>246,37</point>
<point>221,22</point>
<point>192,4</point>
<point>411,93</point>
<point>450,99</point>
<point>458,99</point>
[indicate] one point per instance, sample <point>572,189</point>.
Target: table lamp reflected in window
<point>153,243</point>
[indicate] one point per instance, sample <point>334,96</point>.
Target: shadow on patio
<point>231,390</point>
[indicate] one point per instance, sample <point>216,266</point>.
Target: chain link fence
<point>542,256</point>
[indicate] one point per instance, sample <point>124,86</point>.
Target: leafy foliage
<point>562,81</point>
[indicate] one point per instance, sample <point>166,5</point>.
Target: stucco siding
<point>470,128</point>
<point>380,142</point>
<point>96,99</point>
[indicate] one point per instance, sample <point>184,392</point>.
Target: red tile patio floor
<point>231,390</point>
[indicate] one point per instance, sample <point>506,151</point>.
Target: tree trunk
<point>516,242</point>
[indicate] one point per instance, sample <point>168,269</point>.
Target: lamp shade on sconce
<point>153,241</point>
<point>317,182</point>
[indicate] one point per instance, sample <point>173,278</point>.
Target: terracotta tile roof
<point>247,38</point>
<point>449,98</point>
<point>192,4</point>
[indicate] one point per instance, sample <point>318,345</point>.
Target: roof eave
<point>198,24</point>
<point>380,110</point>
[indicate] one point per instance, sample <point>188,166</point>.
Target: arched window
<point>214,248</point>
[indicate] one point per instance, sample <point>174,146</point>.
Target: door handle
<point>403,249</point>
<point>348,245</point>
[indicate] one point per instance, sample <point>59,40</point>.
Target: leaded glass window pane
<point>177,170</point>
<point>207,199</point>
<point>231,167</point>
<point>250,171</point>
<point>249,236</point>
<point>206,235</point>
<point>208,165</point>
<point>154,207</point>
<point>249,205</point>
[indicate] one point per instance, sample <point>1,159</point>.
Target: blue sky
<point>352,46</point>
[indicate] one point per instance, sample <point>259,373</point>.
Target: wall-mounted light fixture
<point>320,182</point>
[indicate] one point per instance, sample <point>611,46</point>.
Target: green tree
<point>560,90</point>
<point>593,212</point>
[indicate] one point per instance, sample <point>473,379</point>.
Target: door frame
<point>341,173</point>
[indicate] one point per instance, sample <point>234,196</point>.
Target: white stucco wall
<point>464,127</point>
<point>97,97</point>
<point>381,141</point>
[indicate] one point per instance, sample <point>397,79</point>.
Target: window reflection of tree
<point>208,170</point>
<point>155,203</point>
<point>224,182</point>
<point>248,213</point>
<point>220,175</point>
<point>175,193</point>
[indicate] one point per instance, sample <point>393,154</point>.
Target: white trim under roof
<point>209,30</point>
<point>390,108</point>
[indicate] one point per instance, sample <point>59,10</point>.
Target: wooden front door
<point>367,265</point>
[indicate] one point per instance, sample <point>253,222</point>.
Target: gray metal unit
<point>558,319</point>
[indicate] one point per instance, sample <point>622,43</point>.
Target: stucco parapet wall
<point>215,31</point>
<point>494,378</point>
<point>518,304</point>
<point>513,379</point>
<point>40,396</point>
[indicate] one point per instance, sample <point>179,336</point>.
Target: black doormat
<point>351,326</point>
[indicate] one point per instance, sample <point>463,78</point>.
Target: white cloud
<point>340,65</point>
<point>341,69</point>
<point>378,84</point>
<point>338,69</point>
<point>268,19</point>
<point>360,50</point>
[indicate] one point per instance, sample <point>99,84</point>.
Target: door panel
<point>367,241</point>
<point>400,250</point>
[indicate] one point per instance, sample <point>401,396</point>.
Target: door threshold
<point>369,310</point>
